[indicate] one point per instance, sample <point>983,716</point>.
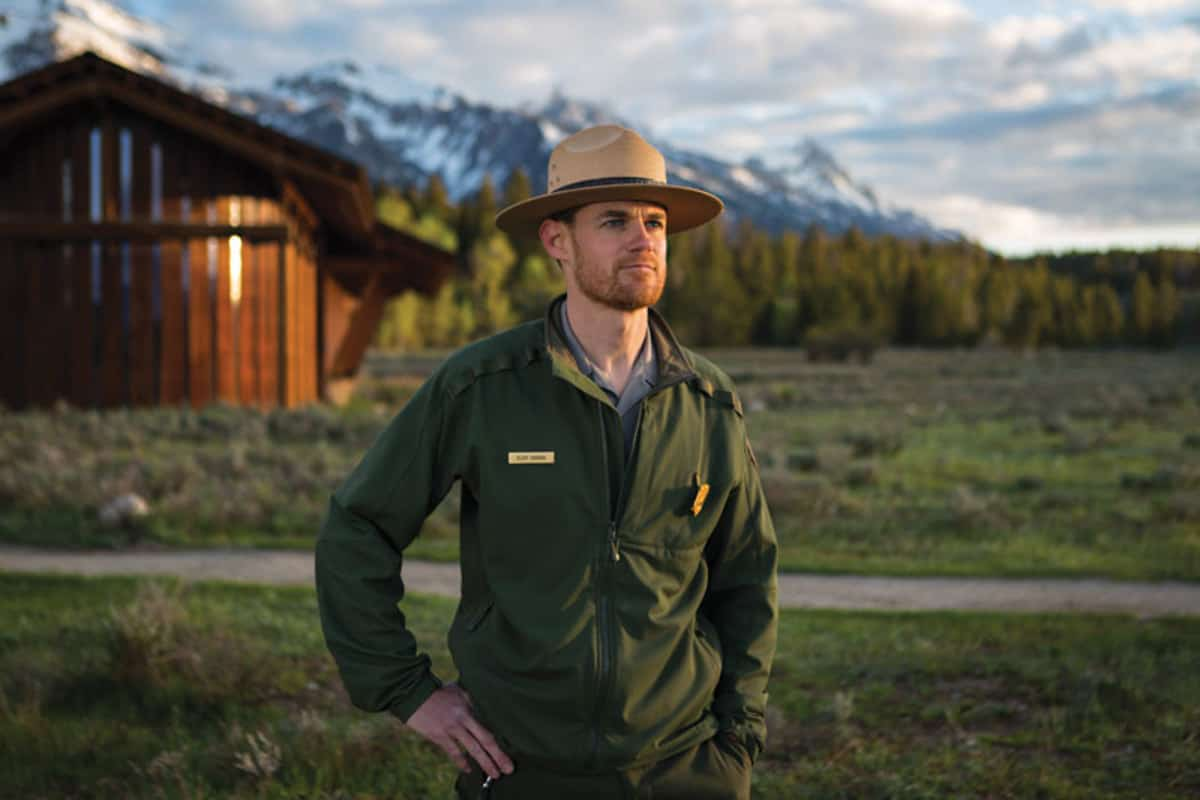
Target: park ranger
<point>618,612</point>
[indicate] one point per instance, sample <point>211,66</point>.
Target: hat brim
<point>686,207</point>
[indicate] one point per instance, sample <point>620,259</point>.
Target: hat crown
<point>604,153</point>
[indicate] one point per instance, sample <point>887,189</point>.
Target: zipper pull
<point>614,550</point>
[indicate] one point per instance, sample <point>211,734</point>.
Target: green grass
<point>922,463</point>
<point>148,689</point>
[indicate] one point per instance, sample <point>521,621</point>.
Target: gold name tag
<point>531,458</point>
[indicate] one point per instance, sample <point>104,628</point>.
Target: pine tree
<point>516,189</point>
<point>1166,314</point>
<point>1108,319</point>
<point>492,258</point>
<point>1142,312</point>
<point>436,200</point>
<point>476,220</point>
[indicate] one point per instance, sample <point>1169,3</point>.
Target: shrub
<point>803,460</point>
<point>1028,483</point>
<point>840,342</point>
<point>1182,507</point>
<point>1056,424</point>
<point>143,634</point>
<point>875,443</point>
<point>862,473</point>
<point>1163,479</point>
<point>834,458</point>
<point>809,497</point>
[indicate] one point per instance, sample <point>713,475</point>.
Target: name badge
<point>531,458</point>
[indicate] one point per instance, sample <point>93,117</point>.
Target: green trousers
<point>716,769</point>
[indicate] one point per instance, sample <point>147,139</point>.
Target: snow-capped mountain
<point>404,132</point>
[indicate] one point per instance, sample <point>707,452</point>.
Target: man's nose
<point>642,238</point>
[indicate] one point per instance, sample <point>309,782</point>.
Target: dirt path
<point>795,591</point>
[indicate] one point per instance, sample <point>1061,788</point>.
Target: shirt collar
<point>641,376</point>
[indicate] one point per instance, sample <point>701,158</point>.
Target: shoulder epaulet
<point>730,399</point>
<point>725,397</point>
<point>476,361</point>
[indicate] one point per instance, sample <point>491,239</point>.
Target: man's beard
<point>608,290</point>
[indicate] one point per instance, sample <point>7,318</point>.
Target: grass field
<point>971,463</point>
<point>136,689</point>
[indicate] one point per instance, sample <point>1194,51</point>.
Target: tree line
<point>732,285</point>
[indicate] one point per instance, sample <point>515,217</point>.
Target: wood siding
<point>118,322</point>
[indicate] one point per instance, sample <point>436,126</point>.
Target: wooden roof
<point>337,190</point>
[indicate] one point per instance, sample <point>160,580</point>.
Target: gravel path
<point>284,567</point>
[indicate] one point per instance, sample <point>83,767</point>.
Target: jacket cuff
<point>404,708</point>
<point>741,721</point>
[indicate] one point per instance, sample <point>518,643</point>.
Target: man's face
<point>617,253</point>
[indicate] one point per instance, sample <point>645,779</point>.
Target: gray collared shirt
<point>642,378</point>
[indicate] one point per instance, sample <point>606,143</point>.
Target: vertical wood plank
<point>308,306</point>
<point>268,336</point>
<point>9,187</point>
<point>7,317</point>
<point>249,313</point>
<point>174,355</point>
<point>80,171</point>
<point>55,307</point>
<point>144,390</point>
<point>110,181</point>
<point>12,326</point>
<point>223,315</point>
<point>83,328</point>
<point>173,361</point>
<point>34,372</point>
<point>114,381</point>
<point>82,371</point>
<point>59,296</point>
<point>288,321</point>
<point>200,381</point>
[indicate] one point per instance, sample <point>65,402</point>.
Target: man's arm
<point>741,603</point>
<point>372,517</point>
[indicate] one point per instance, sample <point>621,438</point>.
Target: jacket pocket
<point>697,510</point>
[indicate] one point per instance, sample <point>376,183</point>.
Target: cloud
<point>1142,8</point>
<point>1077,110</point>
<point>1017,230</point>
<point>402,42</point>
<point>1130,62</point>
<point>1008,33</point>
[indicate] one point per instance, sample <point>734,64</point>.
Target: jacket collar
<point>674,365</point>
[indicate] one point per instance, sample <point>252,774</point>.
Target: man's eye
<point>655,223</point>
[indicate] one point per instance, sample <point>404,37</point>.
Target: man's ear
<point>554,238</point>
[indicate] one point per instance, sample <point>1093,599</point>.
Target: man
<point>618,611</point>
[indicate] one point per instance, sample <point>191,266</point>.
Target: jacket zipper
<point>604,623</point>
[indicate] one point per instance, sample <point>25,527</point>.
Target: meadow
<point>973,463</point>
<point>160,689</point>
<point>980,462</point>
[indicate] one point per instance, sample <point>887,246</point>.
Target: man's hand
<point>446,720</point>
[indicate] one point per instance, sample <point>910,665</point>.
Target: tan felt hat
<point>605,163</point>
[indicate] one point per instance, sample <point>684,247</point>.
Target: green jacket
<point>607,620</point>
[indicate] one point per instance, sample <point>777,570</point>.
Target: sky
<point>1040,125</point>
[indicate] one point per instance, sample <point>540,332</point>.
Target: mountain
<point>418,130</point>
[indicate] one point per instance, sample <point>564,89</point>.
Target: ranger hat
<point>606,163</point>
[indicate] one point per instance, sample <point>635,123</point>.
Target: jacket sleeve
<point>372,517</point>
<point>741,603</point>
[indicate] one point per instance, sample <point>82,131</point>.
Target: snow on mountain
<point>71,27</point>
<point>404,132</point>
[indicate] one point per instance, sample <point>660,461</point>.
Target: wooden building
<point>158,249</point>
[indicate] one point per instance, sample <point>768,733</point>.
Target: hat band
<point>607,182</point>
